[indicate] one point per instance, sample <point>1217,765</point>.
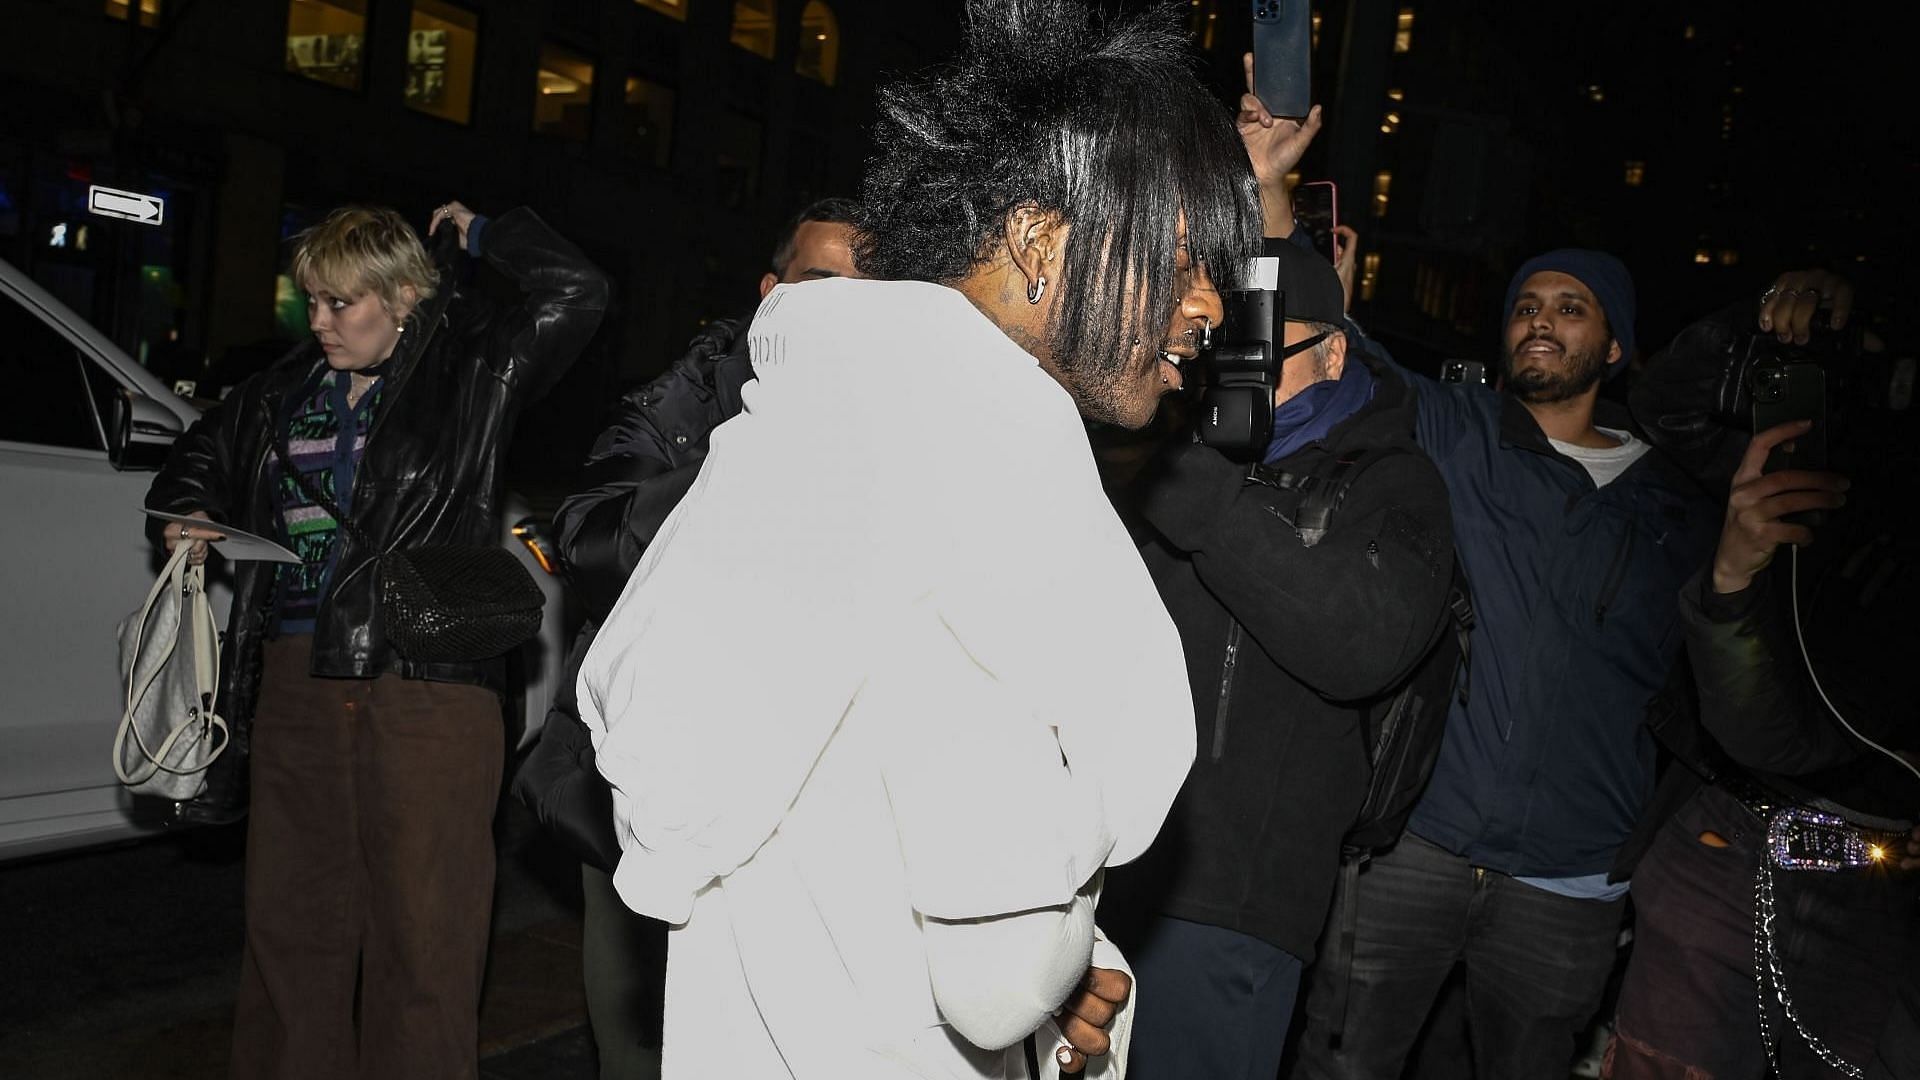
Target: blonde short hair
<point>360,249</point>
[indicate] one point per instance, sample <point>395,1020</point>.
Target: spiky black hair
<point>1100,120</point>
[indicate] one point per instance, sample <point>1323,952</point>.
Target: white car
<point>82,428</point>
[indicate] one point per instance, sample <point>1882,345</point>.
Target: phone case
<point>1784,392</point>
<point>1282,56</point>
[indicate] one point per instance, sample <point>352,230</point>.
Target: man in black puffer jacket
<point>640,467</point>
<point>1287,639</point>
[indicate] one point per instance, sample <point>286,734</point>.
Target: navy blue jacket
<point>1546,768</point>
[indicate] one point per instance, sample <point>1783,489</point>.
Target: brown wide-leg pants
<point>369,865</point>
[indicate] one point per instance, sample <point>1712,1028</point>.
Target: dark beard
<point>1580,372</point>
<point>1099,389</point>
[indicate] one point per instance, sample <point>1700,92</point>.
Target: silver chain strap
<point>1769,976</point>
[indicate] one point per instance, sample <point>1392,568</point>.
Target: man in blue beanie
<point>1576,537</point>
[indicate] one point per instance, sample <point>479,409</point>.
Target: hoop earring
<point>1035,290</point>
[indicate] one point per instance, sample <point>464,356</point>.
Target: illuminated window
<point>1369,274</point>
<point>1596,94</point>
<point>324,39</point>
<point>563,99</point>
<point>1403,31</point>
<point>1396,94</point>
<point>819,57</point>
<point>753,26</point>
<point>674,8</point>
<point>440,50</point>
<point>1291,181</point>
<point>149,11</point>
<point>1729,257</point>
<point>1314,42</point>
<point>649,121</point>
<point>1636,172</point>
<point>1702,256</point>
<point>1382,181</point>
<point>1205,17</point>
<point>1390,123</point>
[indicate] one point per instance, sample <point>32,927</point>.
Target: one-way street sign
<point>129,205</point>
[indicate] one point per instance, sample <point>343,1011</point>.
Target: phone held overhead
<point>1282,56</point>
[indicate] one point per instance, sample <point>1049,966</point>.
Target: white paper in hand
<point>238,545</point>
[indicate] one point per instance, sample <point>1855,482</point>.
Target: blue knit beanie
<point>1605,275</point>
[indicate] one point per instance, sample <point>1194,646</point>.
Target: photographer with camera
<point>1290,629</point>
<point>1772,925</point>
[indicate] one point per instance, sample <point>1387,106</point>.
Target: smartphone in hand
<point>1316,206</point>
<point>1787,392</point>
<point>1282,56</point>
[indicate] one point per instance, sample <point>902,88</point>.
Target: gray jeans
<point>1536,966</point>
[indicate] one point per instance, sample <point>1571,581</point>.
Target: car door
<point>77,564</point>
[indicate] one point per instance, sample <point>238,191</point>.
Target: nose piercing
<point>1206,333</point>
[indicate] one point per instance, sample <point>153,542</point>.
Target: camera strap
<point>1321,492</point>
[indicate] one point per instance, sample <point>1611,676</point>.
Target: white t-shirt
<point>1605,466</point>
<point>888,689</point>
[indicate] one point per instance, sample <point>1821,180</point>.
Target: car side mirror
<point>140,431</point>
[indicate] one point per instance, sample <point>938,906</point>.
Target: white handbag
<point>170,658</point>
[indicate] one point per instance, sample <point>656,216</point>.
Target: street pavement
<point>122,962</point>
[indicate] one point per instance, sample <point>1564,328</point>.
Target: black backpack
<point>1403,727</point>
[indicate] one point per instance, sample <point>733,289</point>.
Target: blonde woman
<point>374,777</point>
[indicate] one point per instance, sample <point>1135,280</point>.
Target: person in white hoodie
<point>891,686</point>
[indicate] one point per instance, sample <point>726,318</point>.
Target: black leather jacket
<point>431,473</point>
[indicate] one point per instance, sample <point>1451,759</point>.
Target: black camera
<point>1235,414</point>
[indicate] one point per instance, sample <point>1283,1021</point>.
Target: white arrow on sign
<point>129,205</point>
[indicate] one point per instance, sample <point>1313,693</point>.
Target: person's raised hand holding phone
<point>1274,146</point>
<point>1759,501</point>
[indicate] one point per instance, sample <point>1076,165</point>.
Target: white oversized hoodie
<point>888,689</point>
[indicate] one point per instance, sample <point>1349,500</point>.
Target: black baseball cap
<point>1312,288</point>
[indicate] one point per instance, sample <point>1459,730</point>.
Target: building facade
<point>670,138</point>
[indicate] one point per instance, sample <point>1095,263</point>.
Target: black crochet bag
<point>449,603</point>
